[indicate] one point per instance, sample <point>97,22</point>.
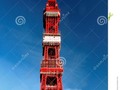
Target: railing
<point>51,88</point>
<point>51,64</point>
<point>52,34</point>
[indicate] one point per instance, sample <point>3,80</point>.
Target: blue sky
<point>84,44</point>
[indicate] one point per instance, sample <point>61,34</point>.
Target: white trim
<point>52,39</point>
<point>48,13</point>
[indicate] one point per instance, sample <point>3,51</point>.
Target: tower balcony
<point>53,13</point>
<point>51,64</point>
<point>51,67</point>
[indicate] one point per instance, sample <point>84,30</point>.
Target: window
<point>51,29</point>
<point>51,52</point>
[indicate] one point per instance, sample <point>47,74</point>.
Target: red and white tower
<point>51,70</point>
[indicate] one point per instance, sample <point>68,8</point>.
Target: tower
<point>51,69</point>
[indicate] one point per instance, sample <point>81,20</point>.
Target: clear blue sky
<point>84,44</point>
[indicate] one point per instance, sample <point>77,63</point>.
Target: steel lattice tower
<point>51,69</point>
